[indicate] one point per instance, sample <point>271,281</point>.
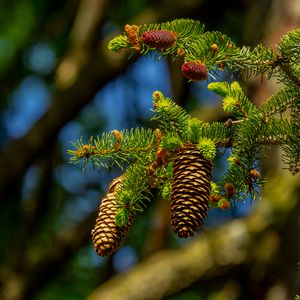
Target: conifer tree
<point>177,158</point>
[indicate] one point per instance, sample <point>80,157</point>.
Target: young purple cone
<point>190,190</point>
<point>106,235</point>
<point>159,39</point>
<point>194,70</point>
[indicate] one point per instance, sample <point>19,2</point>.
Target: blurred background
<point>58,83</point>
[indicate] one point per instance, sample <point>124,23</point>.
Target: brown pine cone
<point>106,235</point>
<point>190,190</point>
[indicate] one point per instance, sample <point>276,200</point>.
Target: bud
<point>181,52</point>
<point>224,205</point>
<point>119,137</point>
<point>158,134</point>
<point>230,45</point>
<point>221,66</point>
<point>254,174</point>
<point>215,198</point>
<point>230,190</point>
<point>162,156</point>
<point>85,151</point>
<point>214,48</point>
<point>157,95</point>
<point>194,70</point>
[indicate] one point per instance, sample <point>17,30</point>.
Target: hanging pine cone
<point>159,39</point>
<point>190,190</point>
<point>194,70</point>
<point>106,235</point>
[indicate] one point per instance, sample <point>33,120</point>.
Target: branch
<point>82,41</point>
<point>28,280</point>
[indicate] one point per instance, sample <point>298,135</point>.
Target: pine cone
<point>106,235</point>
<point>160,39</point>
<point>190,190</point>
<point>194,70</point>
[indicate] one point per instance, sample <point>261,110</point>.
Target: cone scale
<point>190,191</point>
<point>106,235</point>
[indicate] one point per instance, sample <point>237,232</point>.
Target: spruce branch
<point>288,62</point>
<point>134,189</point>
<point>184,31</point>
<point>291,150</point>
<point>259,61</point>
<point>275,131</point>
<point>242,175</point>
<point>235,101</point>
<point>219,133</point>
<point>280,101</point>
<point>114,147</point>
<point>213,48</point>
<point>289,45</point>
<point>170,117</point>
<point>176,158</point>
<point>289,73</point>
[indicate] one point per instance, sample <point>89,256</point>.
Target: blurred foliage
<point>17,24</point>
